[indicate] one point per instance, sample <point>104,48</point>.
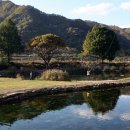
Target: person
<point>31,74</point>
<point>88,73</point>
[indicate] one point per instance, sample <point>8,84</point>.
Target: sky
<point>110,12</point>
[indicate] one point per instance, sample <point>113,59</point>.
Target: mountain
<point>123,36</point>
<point>32,22</point>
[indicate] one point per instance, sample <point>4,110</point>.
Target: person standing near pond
<point>88,73</point>
<point>31,75</point>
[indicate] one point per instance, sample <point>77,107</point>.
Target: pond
<point>95,110</point>
<point>101,76</point>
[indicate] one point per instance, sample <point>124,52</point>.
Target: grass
<point>9,85</point>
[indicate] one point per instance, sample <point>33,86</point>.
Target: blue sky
<point>111,12</point>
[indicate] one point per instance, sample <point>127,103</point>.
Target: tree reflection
<point>99,101</point>
<point>102,101</point>
<point>34,107</point>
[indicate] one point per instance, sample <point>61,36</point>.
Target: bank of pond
<point>73,68</point>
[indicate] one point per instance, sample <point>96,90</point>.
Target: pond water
<point>97,110</point>
<point>101,76</point>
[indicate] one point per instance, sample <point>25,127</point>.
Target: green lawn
<point>9,85</point>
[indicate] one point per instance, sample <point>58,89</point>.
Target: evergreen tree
<point>102,42</point>
<point>10,41</point>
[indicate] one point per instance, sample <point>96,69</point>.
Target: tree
<point>102,42</point>
<point>46,46</point>
<point>10,41</point>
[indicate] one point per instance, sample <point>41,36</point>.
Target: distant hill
<point>32,22</point>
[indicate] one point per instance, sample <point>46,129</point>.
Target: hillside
<point>32,22</point>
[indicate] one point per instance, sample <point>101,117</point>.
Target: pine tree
<point>10,41</point>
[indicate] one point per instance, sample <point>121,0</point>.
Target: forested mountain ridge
<point>32,22</point>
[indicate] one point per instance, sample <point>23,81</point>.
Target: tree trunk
<point>47,65</point>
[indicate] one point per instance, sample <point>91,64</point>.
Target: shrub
<point>106,69</point>
<point>3,66</point>
<point>18,76</point>
<point>55,75</point>
<point>113,69</point>
<point>8,73</point>
<point>97,69</point>
<point>122,69</point>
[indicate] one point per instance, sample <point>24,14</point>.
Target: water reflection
<point>102,101</point>
<point>102,76</point>
<point>96,110</point>
<point>32,108</point>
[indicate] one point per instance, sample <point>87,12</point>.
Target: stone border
<point>27,94</point>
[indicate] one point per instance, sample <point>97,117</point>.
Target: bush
<point>97,69</point>
<point>18,76</point>
<point>122,69</point>
<point>113,69</point>
<point>55,75</point>
<point>3,66</point>
<point>106,69</point>
<point>8,73</point>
